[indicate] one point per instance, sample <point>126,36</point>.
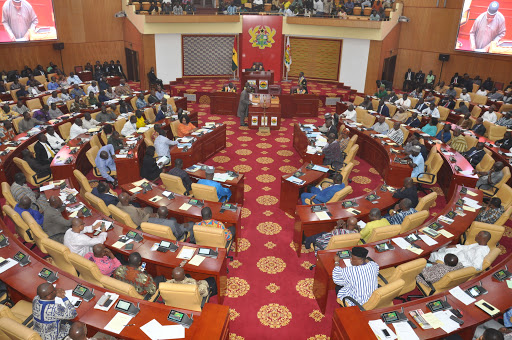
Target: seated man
<point>400,115</point>
<point>409,191</point>
<point>50,318</point>
<point>465,122</point>
<point>358,281</point>
<point>28,123</point>
<point>475,154</point>
<point>123,89</point>
<point>401,210</point>
<point>421,105</point>
<point>436,271</point>
<point>116,141</point>
<point>445,134</point>
<point>44,152</point>
<point>7,132</point>
<point>138,215</point>
<point>458,142</point>
<point>367,103</point>
<point>376,221</point>
<point>479,127</point>
<point>321,240</point>
<point>431,111</point>
<point>25,204</point>
<point>404,102</point>
<point>351,113</point>
<point>106,164</point>
<point>465,95</point>
<point>89,122</point>
<point>490,116</point>
<point>224,194</point>
<point>54,111</point>
<point>163,145</point>
<point>471,255</point>
<point>396,134</point>
<point>19,188</point>
<point>54,224</point>
<point>105,116</point>
<point>490,178</point>
<point>463,109</point>
<point>178,276</point>
<point>178,171</point>
<point>77,129</point>
<point>383,109</point>
<point>413,120</point>
<point>104,259</point>
<point>506,120</point>
<point>178,230</point>
<point>42,170</point>
<point>332,152</point>
<point>130,127</point>
<point>416,162</point>
<point>330,127</point>
<point>206,214</point>
<point>141,102</point>
<point>431,128</point>
<point>317,196</point>
<point>102,191</point>
<point>492,212</point>
<point>324,128</point>
<point>79,243</point>
<point>381,126</point>
<point>505,142</point>
<point>143,283</point>
<point>42,115</point>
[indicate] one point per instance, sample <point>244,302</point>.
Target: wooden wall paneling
<point>148,43</point>
<point>69,19</point>
<point>317,58</point>
<point>372,70</point>
<point>99,21</point>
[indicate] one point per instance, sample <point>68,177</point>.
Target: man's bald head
<point>124,198</point>
<point>104,155</point>
<point>46,291</point>
<point>351,223</point>
<point>77,224</point>
<point>78,331</point>
<point>178,274</point>
<point>98,250</point>
<point>451,260</point>
<point>408,182</point>
<point>483,237</point>
<point>25,202</point>
<point>374,214</point>
<point>162,212</point>
<point>55,202</point>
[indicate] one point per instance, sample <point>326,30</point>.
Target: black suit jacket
<point>420,78</point>
<point>41,154</point>
<point>412,76</point>
<point>479,129</point>
<point>149,168</point>
<point>383,110</point>
<point>474,156</point>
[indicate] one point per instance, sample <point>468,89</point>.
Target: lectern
<point>260,80</point>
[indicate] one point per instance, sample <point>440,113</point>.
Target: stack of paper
<point>428,240</point>
<point>404,331</point>
<point>186,253</point>
<point>220,177</point>
<point>377,326</point>
<point>112,296</point>
<point>401,242</point>
<point>448,325</point>
<point>196,260</point>
<point>10,263</point>
<point>322,215</point>
<point>320,168</point>
<point>46,187</point>
<point>118,323</point>
<point>295,180</point>
<point>462,296</point>
<point>471,202</point>
<point>155,331</point>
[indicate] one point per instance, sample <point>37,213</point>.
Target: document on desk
<point>295,180</point>
<point>404,331</point>
<point>320,168</point>
<point>186,253</point>
<point>118,323</point>
<point>322,215</point>
<point>432,320</point>
<point>401,242</point>
<point>139,183</point>
<point>448,325</point>
<point>461,295</point>
<point>185,206</point>
<point>46,187</point>
<point>121,156</point>
<point>10,263</point>
<point>196,260</point>
<point>428,240</point>
<point>136,189</point>
<point>445,233</point>
<point>378,326</point>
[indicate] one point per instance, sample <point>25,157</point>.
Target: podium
<point>224,103</point>
<point>259,79</point>
<point>264,112</point>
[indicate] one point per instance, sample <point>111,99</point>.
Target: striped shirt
<point>19,22</point>
<point>358,282</point>
<point>396,136</point>
<point>398,218</point>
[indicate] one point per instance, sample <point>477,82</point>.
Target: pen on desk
<point>130,324</point>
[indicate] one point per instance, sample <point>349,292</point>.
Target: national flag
<point>234,64</point>
<point>288,55</point>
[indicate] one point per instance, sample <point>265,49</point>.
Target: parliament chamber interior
<point>249,169</point>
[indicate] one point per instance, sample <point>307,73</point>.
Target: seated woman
<point>150,169</point>
<point>185,127</point>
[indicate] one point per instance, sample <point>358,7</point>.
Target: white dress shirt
<point>89,124</point>
<point>75,80</point>
<point>433,113</point>
<point>465,97</point>
<point>489,117</point>
<point>53,100</point>
<point>129,129</point>
<point>481,92</point>
<point>352,115</point>
<point>55,141</point>
<point>75,131</point>
<point>93,89</point>
<point>403,103</point>
<point>81,244</point>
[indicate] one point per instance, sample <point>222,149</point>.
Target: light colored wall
<point>168,56</point>
<point>354,62</point>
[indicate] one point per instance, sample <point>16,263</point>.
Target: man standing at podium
<point>243,105</point>
<point>303,82</point>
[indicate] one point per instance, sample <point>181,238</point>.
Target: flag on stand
<point>287,55</point>
<point>234,64</point>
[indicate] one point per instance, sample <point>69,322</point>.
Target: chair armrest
<point>432,289</point>
<point>353,301</point>
<point>362,241</point>
<point>493,188</point>
<point>27,320</point>
<point>433,177</point>
<point>463,237</point>
<point>383,279</point>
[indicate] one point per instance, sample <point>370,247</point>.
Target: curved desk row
<point>352,323</point>
<point>211,323</point>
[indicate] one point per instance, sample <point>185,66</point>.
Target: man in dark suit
<point>479,127</point>
<point>420,106</point>
<point>41,170</point>
<point>303,81</point>
<point>408,80</point>
<point>448,102</point>
<point>413,120</point>
<point>475,154</point>
<point>243,105</point>
<point>420,78</point>
<point>383,109</point>
<point>43,150</point>
<point>101,191</point>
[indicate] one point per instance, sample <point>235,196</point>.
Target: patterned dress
<point>141,281</point>
<point>49,316</point>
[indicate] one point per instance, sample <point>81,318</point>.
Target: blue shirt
<point>104,166</point>
<point>75,80</point>
<point>141,103</point>
<point>53,86</point>
<point>34,213</point>
<point>326,194</point>
<point>159,116</point>
<point>162,145</point>
<point>444,136</point>
<point>420,165</point>
<point>221,191</point>
<point>430,130</point>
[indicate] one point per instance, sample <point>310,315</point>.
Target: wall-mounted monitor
<point>485,27</point>
<point>27,20</point>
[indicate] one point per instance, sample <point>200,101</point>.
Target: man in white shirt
<point>471,255</point>
<point>465,95</point>
<point>130,127</point>
<point>76,240</point>
<point>381,126</point>
<point>481,92</point>
<point>55,141</point>
<point>258,4</point>
<point>88,122</point>
<point>73,79</point>
<point>318,6</point>
<point>53,99</point>
<point>163,145</point>
<point>431,111</point>
<point>76,129</point>
<point>93,88</point>
<point>403,102</point>
<point>351,113</point>
<point>490,116</point>
<point>64,95</point>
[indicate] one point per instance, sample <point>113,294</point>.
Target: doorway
<point>388,71</point>
<point>132,64</point>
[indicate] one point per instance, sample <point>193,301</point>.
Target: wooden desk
<point>299,105</point>
<point>352,323</point>
<point>236,185</point>
<point>257,76</point>
<point>264,113</point>
<point>23,281</point>
<point>203,148</point>
<point>85,75</point>
<point>194,213</point>
<point>300,144</point>
<point>325,258</point>
<point>224,103</point>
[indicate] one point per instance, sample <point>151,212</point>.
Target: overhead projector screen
<point>27,20</point>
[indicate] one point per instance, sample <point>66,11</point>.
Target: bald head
<point>483,237</point>
<point>351,223</point>
<point>78,331</point>
<point>134,260</point>
<point>104,155</point>
<point>25,202</point>
<point>162,212</point>
<point>77,224</point>
<point>178,274</point>
<point>408,182</point>
<point>55,202</point>
<point>98,250</point>
<point>46,291</point>
<point>124,198</point>
<point>451,260</point>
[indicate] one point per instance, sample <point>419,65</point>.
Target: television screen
<point>485,27</point>
<point>27,20</point>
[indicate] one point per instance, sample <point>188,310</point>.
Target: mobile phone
<point>78,303</point>
<point>96,232</point>
<point>143,266</point>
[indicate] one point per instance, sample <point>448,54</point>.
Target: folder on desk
<point>487,307</point>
